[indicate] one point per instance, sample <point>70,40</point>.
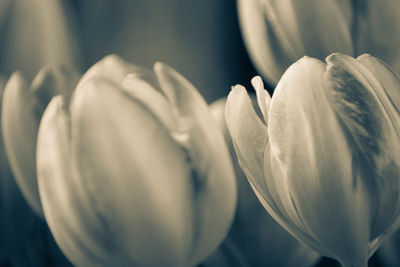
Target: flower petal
<point>263,98</point>
<point>154,100</point>
<point>249,134</point>
<point>265,235</point>
<point>366,107</point>
<point>114,68</point>
<point>19,129</point>
<point>262,41</point>
<point>76,228</point>
<point>209,156</point>
<point>134,175</point>
<point>278,33</point>
<point>313,182</point>
<point>22,109</point>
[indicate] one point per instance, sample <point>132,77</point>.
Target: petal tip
<point>257,82</point>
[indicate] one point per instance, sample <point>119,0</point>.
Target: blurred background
<point>200,39</point>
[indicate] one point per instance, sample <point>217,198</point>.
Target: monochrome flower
<point>323,156</point>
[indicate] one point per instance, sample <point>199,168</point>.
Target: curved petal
<point>263,98</point>
<point>208,154</point>
<point>364,99</point>
<point>114,68</point>
<point>154,100</point>
<point>314,180</point>
<point>22,109</point>
<point>311,28</point>
<point>262,41</point>
<point>277,33</point>
<point>249,134</point>
<point>134,176</point>
<point>19,129</point>
<point>76,229</point>
<point>258,237</point>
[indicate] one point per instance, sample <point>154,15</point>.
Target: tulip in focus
<point>279,32</point>
<point>133,170</point>
<point>323,156</point>
<point>255,239</point>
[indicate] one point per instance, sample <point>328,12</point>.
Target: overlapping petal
<point>329,172</point>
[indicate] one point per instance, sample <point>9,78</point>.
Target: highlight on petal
<point>122,164</point>
<point>255,238</point>
<point>19,129</point>
<point>114,68</point>
<point>306,139</point>
<point>209,156</point>
<point>248,132</point>
<point>263,98</point>
<point>77,230</point>
<point>155,101</point>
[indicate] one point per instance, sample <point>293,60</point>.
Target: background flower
<point>279,32</point>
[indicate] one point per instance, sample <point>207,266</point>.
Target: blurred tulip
<point>133,170</point>
<point>255,239</point>
<point>25,239</point>
<point>22,109</point>
<point>323,157</point>
<point>35,33</point>
<point>279,32</point>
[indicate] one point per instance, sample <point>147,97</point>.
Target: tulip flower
<point>323,156</point>
<point>255,239</point>
<point>33,34</point>
<point>133,170</point>
<point>25,238</point>
<point>22,109</point>
<point>279,32</point>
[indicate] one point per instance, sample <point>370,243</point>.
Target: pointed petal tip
<point>257,82</point>
<point>365,55</point>
<point>162,68</point>
<point>159,65</point>
<point>237,87</point>
<point>335,57</point>
<point>16,77</point>
<point>111,58</point>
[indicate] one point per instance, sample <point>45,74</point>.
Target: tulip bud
<point>255,239</point>
<point>278,33</point>
<point>133,170</point>
<point>322,158</point>
<point>22,109</point>
<point>25,238</point>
